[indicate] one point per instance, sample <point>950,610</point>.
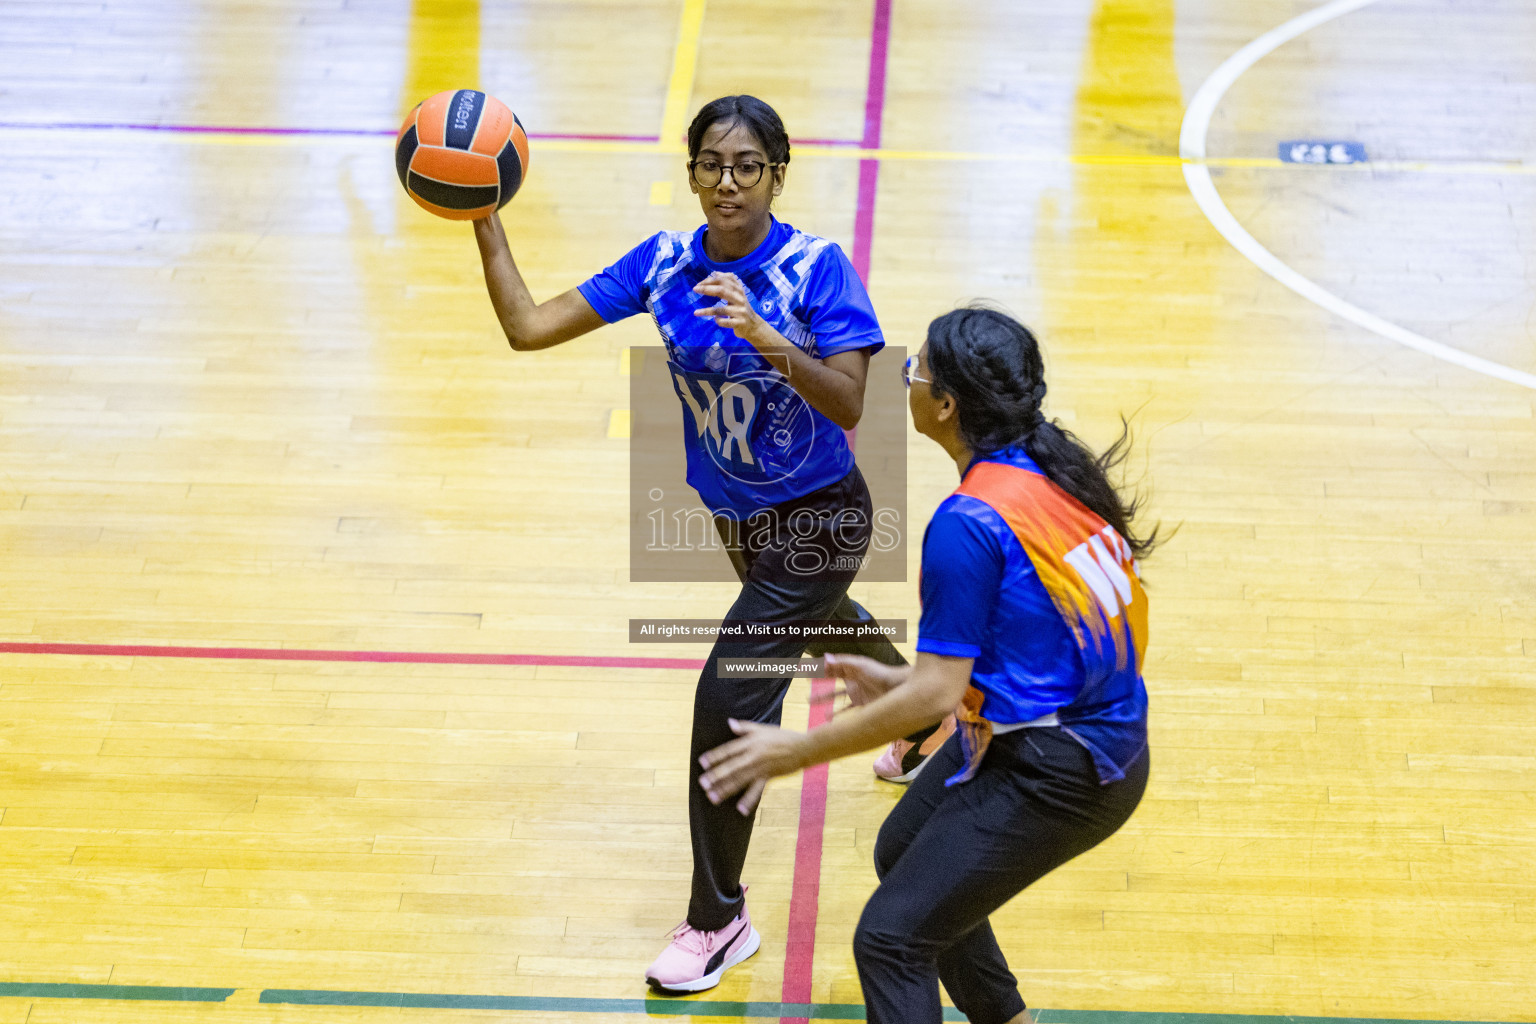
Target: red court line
<point>805,891</point>
<point>874,113</point>
<point>224,129</point>
<point>229,129</point>
<point>385,657</point>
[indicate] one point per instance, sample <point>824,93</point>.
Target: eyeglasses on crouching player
<point>908,375</point>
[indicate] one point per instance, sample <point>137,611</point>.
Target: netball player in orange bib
<point>1033,628</point>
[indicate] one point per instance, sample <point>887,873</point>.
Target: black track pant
<point>948,857</point>
<point>776,586</point>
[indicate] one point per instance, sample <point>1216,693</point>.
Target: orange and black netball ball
<point>461,154</point>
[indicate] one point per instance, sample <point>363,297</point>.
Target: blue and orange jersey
<point>1044,595</point>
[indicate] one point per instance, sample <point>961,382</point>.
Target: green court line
<point>167,994</point>
<point>1152,1017</point>
<point>654,1007</point>
<point>566,1004</point>
<point>657,1007</point>
<point>432,1001</point>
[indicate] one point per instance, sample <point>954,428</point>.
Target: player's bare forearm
<point>510,297</point>
<point>833,386</point>
<point>527,324</point>
<point>934,688</point>
<point>760,752</point>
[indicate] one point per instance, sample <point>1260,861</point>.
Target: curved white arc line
<point>1192,140</point>
<point>1197,117</point>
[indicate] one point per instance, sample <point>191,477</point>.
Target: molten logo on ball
<point>461,154</point>
<point>464,108</point>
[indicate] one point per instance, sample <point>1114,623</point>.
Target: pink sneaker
<point>903,759</point>
<point>696,960</point>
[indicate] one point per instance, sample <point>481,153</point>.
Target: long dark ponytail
<point>991,365</point>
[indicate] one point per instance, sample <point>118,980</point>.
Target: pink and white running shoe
<point>696,960</point>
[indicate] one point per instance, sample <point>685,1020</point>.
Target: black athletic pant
<point>790,571</point>
<point>948,857</point>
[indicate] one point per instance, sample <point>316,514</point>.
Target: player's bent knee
<point>890,844</point>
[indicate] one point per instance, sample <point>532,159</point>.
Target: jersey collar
<point>1011,456</point>
<point>767,247</point>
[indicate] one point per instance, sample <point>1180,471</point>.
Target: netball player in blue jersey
<point>769,333</point>
<point>1033,628</point>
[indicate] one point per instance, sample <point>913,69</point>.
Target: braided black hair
<point>991,365</point>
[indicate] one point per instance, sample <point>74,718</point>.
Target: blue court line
<point>168,994</point>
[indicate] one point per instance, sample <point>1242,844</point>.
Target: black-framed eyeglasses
<point>708,173</point>
<point>907,376</point>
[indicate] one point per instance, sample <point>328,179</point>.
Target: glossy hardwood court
<point>252,399</point>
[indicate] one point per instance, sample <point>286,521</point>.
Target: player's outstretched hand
<point>745,764</point>
<point>863,678</point>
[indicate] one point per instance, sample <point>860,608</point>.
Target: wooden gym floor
<point>252,400</point>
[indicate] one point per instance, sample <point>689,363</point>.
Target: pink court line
<point>380,657</point>
<point>215,129</point>
<point>848,143</point>
<point>874,113</point>
<point>805,891</point>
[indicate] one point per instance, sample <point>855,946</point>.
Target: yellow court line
<point>837,152</point>
<point>685,61</point>
<point>442,50</point>
<point>1081,159</point>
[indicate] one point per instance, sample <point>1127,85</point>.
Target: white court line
<point>1192,138</point>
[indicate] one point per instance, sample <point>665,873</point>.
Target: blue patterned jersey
<point>752,441</point>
